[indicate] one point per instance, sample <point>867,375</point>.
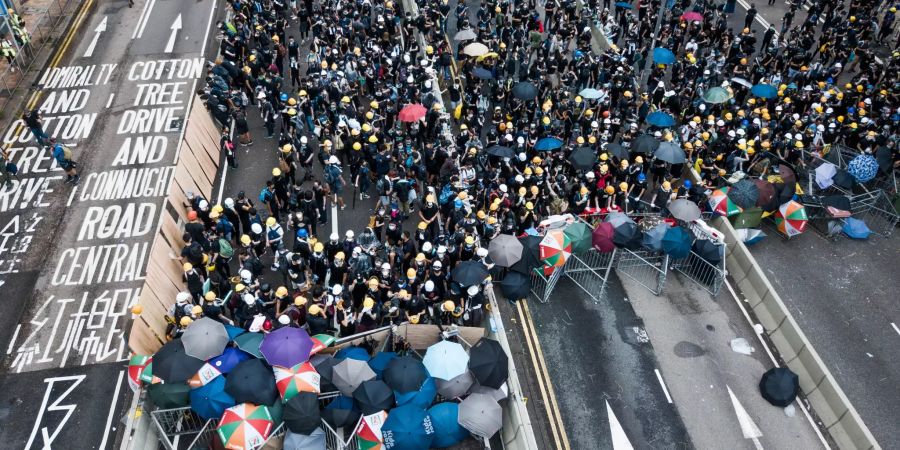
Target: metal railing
<point>709,276</point>
<point>649,269</point>
<point>876,210</point>
<point>542,285</point>
<point>590,271</point>
<point>174,422</point>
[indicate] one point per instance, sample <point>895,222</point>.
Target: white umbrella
<point>464,35</point>
<point>348,374</point>
<point>446,360</point>
<point>824,174</point>
<point>475,49</point>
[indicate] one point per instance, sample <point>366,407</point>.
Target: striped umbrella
<point>721,204</point>
<point>245,426</point>
<point>555,248</point>
<point>294,380</point>
<point>136,366</point>
<point>791,218</point>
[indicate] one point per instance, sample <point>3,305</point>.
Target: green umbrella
<point>749,218</point>
<point>716,95</point>
<point>580,236</point>
<point>249,342</point>
<point>169,395</point>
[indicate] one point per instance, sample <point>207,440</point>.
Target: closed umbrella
<point>411,113</point>
<point>709,251</point>
<point>524,90</point>
<point>602,237</point>
<point>590,93</point>
<point>548,144</point>
<point>446,360</point>
<point>627,236</point>
<point>245,426</point>
<point>824,175</point>
<point>660,119</point>
<point>475,49</point>
<point>341,412</point>
<point>515,285</point>
<point>505,250</point>
<point>617,150</point>
<point>457,386</point>
<point>677,242</point>
<point>408,427</point>
<point>779,386</point>
<point>489,363</point>
<point>766,192</point>
<point>405,374</point>
<point>312,441</point>
<point>663,56</point>
<point>652,239</point>
<point>716,95</point>
<point>863,168</point>
<point>252,382</point>
<point>482,74</point>
<point>373,396</point>
<point>286,347</point>
<point>684,210</point>
<point>670,153</point>
<point>501,151</point>
<point>744,194</point>
<point>422,397</point>
<point>791,218</point>
<point>249,343</point>
<point>301,413</point>
<point>173,365</point>
<point>583,158</point>
<point>205,338</point>
<point>348,374</point>
<point>481,415</point>
<point>291,381</point>
<point>380,361</point>
<point>169,395</point>
<point>644,143</point>
<point>447,430</point>
<point>855,228</point>
<point>465,35</point>
<point>469,273</point>
<point>210,401</point>
<point>579,235</point>
<point>764,91</point>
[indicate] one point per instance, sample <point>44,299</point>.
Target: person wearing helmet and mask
<point>339,271</point>
<point>318,264</point>
<point>274,240</point>
<point>317,320</point>
<point>430,214</point>
<point>345,317</point>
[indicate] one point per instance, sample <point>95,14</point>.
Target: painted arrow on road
<point>176,25</point>
<point>748,428</point>
<point>617,433</point>
<point>100,29</point>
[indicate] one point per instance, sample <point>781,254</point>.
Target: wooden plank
<point>172,232</point>
<point>199,143</point>
<point>142,340</point>
<point>185,181</point>
<point>201,179</point>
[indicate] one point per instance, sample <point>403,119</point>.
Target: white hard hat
<point>349,234</point>
<point>472,290</point>
<point>256,228</point>
<point>183,297</point>
<point>284,319</point>
<point>429,286</point>
<point>503,188</point>
<point>246,275</point>
<point>337,289</point>
<point>441,249</point>
<point>522,156</point>
<point>333,160</point>
<point>386,266</point>
<point>438,265</point>
<point>426,247</point>
<point>229,202</point>
<point>249,299</point>
<point>303,140</point>
<point>334,236</point>
<point>481,252</point>
<point>203,204</point>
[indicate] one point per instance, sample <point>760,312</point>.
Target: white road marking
<point>55,406</point>
<point>12,342</point>
<point>145,17</point>
<point>112,95</point>
<point>895,327</point>
<point>112,410</point>
<point>748,427</point>
<point>71,196</point>
<point>225,169</point>
<point>617,433</point>
<point>663,384</point>
<point>334,218</point>
<point>101,27</point>
<point>176,25</point>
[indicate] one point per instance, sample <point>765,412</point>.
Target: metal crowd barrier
<point>542,286</point>
<point>649,269</point>
<point>590,271</point>
<point>876,210</point>
<point>709,276</point>
<point>174,422</point>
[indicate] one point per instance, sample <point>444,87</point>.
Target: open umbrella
<point>627,235</point>
<point>766,192</point>
<point>373,396</point>
<point>884,158</point>
<point>286,347</point>
<point>173,365</point>
<point>245,426</point>
<point>524,90</point>
<point>617,150</point>
<point>744,194</point>
<point>341,412</point>
<point>457,386</point>
<point>677,242</point>
<point>422,397</point>
<point>465,35</point>
<point>223,363</point>
<point>602,237</point>
<point>469,273</point>
<point>481,415</point>
<point>475,49</point>
<point>709,251</point>
<point>670,152</point>
<point>779,386</point>
<point>617,218</point>
<point>380,361</point>
<point>169,395</point>
<point>721,204</point>
<point>663,56</point>
<point>408,427</point>
<point>300,378</point>
<point>749,236</point>
<point>249,343</point>
<point>489,363</point>
<point>405,374</point>
<point>579,235</point>
<point>253,382</point>
<point>652,239</point>
<point>644,143</point>
<point>791,218</point>
<point>742,82</point>
<point>590,93</point>
<point>505,250</point>
<point>447,430</point>
<point>301,413</point>
<point>320,342</point>
<point>624,5</point>
<point>548,144</point>
<point>482,74</point>
<point>692,16</point>
<point>555,248</point>
<point>515,285</point>
<point>136,366</point>
<point>205,338</point>
<point>684,210</point>
<point>210,400</point>
<point>843,179</point>
<point>446,360</point>
<point>748,218</point>
<point>353,352</point>
<point>660,119</point>
<point>348,374</point>
<point>863,168</point>
<point>787,174</point>
<point>324,365</point>
<point>312,441</point>
<point>855,228</point>
<point>411,113</point>
<point>583,158</point>
<point>824,175</point>
<point>764,91</point>
<point>501,151</point>
<point>716,95</point>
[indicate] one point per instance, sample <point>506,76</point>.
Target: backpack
<point>225,249</point>
<point>264,195</point>
<point>446,194</point>
<point>196,251</point>
<point>67,153</point>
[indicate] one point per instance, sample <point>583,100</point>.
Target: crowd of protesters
<point>329,79</point>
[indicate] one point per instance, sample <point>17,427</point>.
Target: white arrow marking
<point>619,438</point>
<point>176,25</point>
<point>100,28</point>
<point>748,427</point>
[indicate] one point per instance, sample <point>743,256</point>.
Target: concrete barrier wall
<point>198,163</point>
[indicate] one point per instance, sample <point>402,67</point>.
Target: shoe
<point>343,207</point>
<point>274,267</point>
<point>76,180</point>
<point>69,180</point>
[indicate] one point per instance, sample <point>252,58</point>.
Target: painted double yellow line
<point>557,427</point>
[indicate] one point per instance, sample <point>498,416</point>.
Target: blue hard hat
<point>302,233</point>
<point>284,97</point>
<point>642,177</point>
<point>457,203</point>
<point>687,184</point>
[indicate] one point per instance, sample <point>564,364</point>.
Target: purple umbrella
<point>286,347</point>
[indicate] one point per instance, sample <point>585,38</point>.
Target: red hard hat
<point>192,215</point>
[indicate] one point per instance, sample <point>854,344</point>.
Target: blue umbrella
<point>856,229</point>
<point>210,401</point>
<point>677,242</point>
<point>764,91</point>
<point>380,361</point>
<point>230,358</point>
<point>408,427</point>
<point>448,431</point>
<point>660,119</point>
<point>590,93</point>
<point>341,412</point>
<point>624,5</point>
<point>354,352</point>
<point>482,73</point>
<point>234,331</point>
<point>863,168</point>
<point>421,398</point>
<point>548,143</point>
<point>663,56</point>
<point>749,236</point>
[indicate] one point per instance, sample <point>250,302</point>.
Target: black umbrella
<point>324,365</point>
<point>469,273</point>
<point>787,192</point>
<point>489,363</point>
<point>583,158</point>
<point>252,381</point>
<point>884,158</point>
<point>501,151</point>
<point>779,386</point>
<point>482,73</point>
<point>173,365</point>
<point>627,235</point>
<point>531,254</point>
<point>841,179</point>
<point>301,413</point>
<point>525,90</point>
<point>644,143</point>
<point>708,250</point>
<point>841,202</point>
<point>744,193</point>
<point>515,285</point>
<point>617,150</point>
<point>405,374</point>
<point>341,412</point>
<point>373,396</point>
<point>670,152</point>
<point>169,395</point>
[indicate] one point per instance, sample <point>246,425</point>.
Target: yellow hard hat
<point>529,206</point>
<point>245,239</point>
<point>373,104</point>
<point>292,101</point>
<point>470,240</point>
<point>449,306</point>
<point>299,300</point>
<point>271,221</point>
<point>197,310</point>
<point>318,247</point>
<point>187,266</point>
<point>667,185</point>
<point>410,273</point>
<point>623,186</point>
<point>185,321</point>
<point>373,139</point>
<point>357,146</point>
<point>286,148</point>
<point>292,112</point>
<point>209,296</point>
<point>368,303</point>
<point>281,291</point>
<point>315,309</point>
<point>137,310</point>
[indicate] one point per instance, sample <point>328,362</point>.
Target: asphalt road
<point>72,259</point>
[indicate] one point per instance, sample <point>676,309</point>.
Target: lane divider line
<point>663,384</point>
